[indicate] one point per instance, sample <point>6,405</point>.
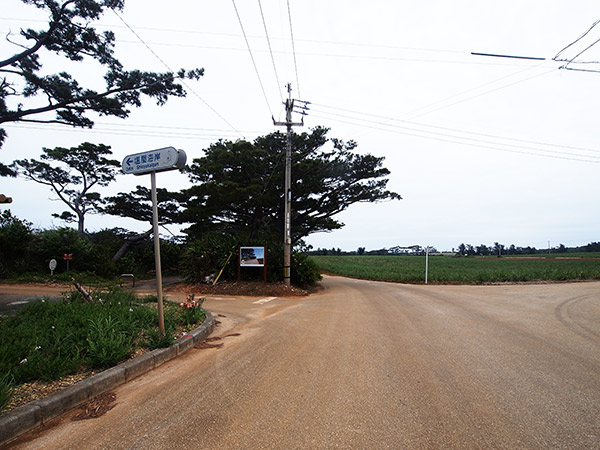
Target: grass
<point>447,269</point>
<point>48,340</point>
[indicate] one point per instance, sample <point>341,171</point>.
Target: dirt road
<point>372,365</point>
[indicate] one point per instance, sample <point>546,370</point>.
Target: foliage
<point>6,389</point>
<point>25,252</point>
<point>446,269</point>
<point>206,256</point>
<point>46,340</point>
<point>191,311</point>
<point>239,186</point>
<point>26,95</point>
<point>108,344</point>
<point>305,271</point>
<point>138,205</point>
<point>54,243</point>
<point>15,237</point>
<point>72,173</point>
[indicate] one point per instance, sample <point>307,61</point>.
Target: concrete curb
<point>39,412</point>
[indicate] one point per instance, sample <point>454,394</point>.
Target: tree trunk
<point>129,241</point>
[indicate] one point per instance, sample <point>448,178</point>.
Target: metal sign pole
<point>153,161</point>
<point>161,317</point>
<point>426,263</point>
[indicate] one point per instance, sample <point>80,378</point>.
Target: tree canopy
<point>27,94</point>
<point>239,186</point>
<point>72,173</point>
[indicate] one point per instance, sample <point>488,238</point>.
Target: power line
<point>573,59</point>
<point>483,93</point>
<point>584,34</point>
<point>454,141</point>
<point>293,47</point>
<point>316,41</point>
<point>270,51</point>
<point>508,56</point>
<point>131,132</point>
<point>393,119</point>
<point>170,70</point>
<point>482,140</point>
<point>331,55</point>
<point>252,58</point>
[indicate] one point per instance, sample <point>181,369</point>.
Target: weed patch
<point>47,340</point>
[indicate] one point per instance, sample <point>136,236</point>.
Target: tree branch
<point>16,116</point>
<point>39,42</point>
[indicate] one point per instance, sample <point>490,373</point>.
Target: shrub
<point>6,389</point>
<point>108,342</point>
<point>305,271</point>
<point>156,340</point>
<point>207,256</point>
<point>15,235</point>
<point>191,311</point>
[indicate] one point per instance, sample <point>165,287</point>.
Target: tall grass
<point>447,269</point>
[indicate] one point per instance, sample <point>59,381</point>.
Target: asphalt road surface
<point>372,365</point>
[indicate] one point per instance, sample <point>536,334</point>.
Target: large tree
<point>27,94</point>
<point>239,186</point>
<point>73,174</point>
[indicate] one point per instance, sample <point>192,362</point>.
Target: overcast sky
<point>482,149</point>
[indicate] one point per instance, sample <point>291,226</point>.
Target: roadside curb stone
<point>37,413</point>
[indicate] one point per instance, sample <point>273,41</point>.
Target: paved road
<point>372,365</point>
<point>14,296</point>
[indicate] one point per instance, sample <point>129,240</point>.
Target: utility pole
<point>287,230</point>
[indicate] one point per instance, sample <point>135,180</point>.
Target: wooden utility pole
<point>287,231</point>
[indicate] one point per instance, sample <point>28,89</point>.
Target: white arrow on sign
<point>154,161</point>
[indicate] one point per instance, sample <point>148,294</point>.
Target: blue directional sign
<point>167,158</point>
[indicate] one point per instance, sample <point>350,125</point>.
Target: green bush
<point>156,340</point>
<point>6,389</point>
<point>108,342</point>
<point>46,340</point>
<point>207,255</point>
<point>15,236</point>
<point>305,271</point>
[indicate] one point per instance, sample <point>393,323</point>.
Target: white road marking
<point>18,303</point>
<point>264,300</point>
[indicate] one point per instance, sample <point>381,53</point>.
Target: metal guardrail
<point>128,275</point>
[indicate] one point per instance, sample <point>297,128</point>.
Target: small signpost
<point>52,266</point>
<point>68,257</point>
<point>153,161</point>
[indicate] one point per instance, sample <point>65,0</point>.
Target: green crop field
<point>471,270</point>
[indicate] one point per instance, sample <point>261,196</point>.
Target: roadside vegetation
<point>464,270</point>
<point>48,340</point>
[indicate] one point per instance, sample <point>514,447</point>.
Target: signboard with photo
<point>252,256</point>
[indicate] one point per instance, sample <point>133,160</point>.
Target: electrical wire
<point>483,93</point>
<point>293,47</point>
<point>270,51</point>
<point>211,136</point>
<point>252,58</point>
<point>572,60</point>
<point>563,156</point>
<point>436,133</point>
<point>585,33</point>
<point>334,55</point>
<point>170,70</point>
<point>393,119</point>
